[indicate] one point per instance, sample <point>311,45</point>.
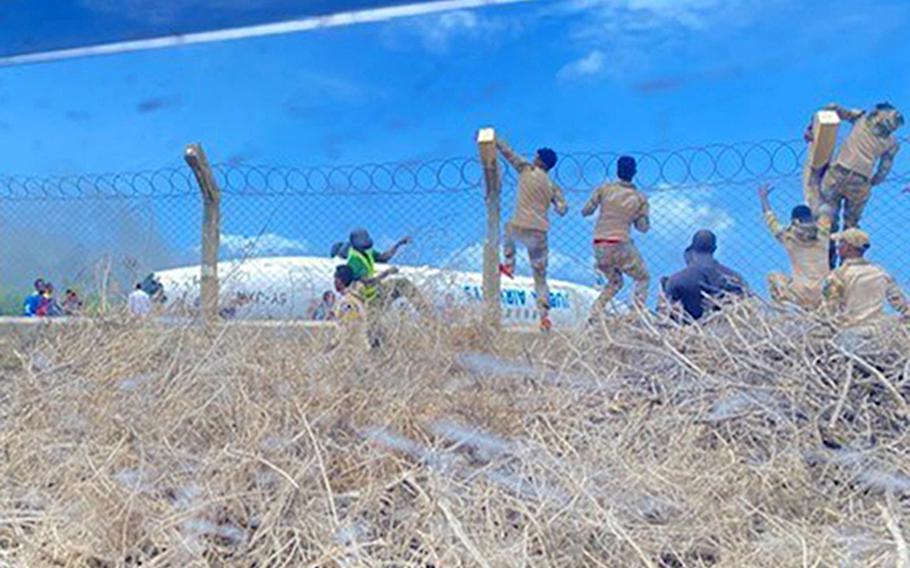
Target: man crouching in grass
<point>354,310</point>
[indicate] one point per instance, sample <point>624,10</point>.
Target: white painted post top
<point>824,137</point>
<point>827,117</point>
<point>486,135</point>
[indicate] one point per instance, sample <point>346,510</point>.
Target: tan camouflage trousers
<point>535,242</point>
<point>615,260</point>
<point>844,193</point>
<point>784,290</point>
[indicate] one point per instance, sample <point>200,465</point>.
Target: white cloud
<point>687,13</point>
<point>439,33</point>
<point>634,16</point>
<point>267,244</point>
<point>338,87</point>
<point>631,34</point>
<point>676,214</point>
<point>470,258</point>
<point>590,65</point>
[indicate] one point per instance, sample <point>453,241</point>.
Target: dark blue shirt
<point>704,276</point>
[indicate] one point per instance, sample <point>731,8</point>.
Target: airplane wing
<point>36,31</point>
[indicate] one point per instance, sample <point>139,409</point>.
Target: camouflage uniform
<point>530,221</point>
<point>350,311</point>
<point>538,253</point>
<point>621,206</point>
<point>357,314</point>
<point>857,291</point>
<point>847,184</point>
<point>807,247</point>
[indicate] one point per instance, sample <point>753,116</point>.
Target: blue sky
<point>588,75</point>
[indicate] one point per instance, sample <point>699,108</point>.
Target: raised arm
<point>592,204</point>
<point>387,255</point>
<point>844,113</point>
<point>885,164</point>
<point>517,161</point>
<point>558,199</point>
<point>764,192</point>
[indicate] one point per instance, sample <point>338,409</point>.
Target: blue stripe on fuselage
<point>518,297</point>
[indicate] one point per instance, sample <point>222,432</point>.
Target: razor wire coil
<point>710,165</point>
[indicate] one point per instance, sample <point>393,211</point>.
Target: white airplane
<point>289,288</point>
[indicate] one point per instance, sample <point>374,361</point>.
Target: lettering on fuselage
<point>258,297</point>
<point>518,298</point>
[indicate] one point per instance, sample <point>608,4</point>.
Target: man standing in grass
<point>377,291</point>
<point>362,257</point>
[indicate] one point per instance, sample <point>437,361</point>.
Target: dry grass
<point>757,440</point>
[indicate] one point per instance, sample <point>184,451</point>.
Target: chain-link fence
<point>99,234</point>
<point>712,187</point>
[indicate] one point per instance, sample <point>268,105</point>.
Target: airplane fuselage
<point>290,288</point>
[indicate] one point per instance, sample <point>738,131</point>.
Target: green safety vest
<point>367,260</point>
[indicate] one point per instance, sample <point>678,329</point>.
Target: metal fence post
<point>211,229</point>
<point>486,143</point>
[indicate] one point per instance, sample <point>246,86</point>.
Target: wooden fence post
<point>486,143</point>
<point>211,230</point>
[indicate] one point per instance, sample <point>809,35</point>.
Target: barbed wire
<point>711,165</point>
<point>434,176</point>
<point>164,182</point>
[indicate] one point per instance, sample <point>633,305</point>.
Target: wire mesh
<point>100,233</point>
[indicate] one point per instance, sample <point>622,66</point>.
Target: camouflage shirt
<point>864,147</point>
<point>857,291</point>
<point>808,257</point>
<point>621,206</point>
<point>535,193</point>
